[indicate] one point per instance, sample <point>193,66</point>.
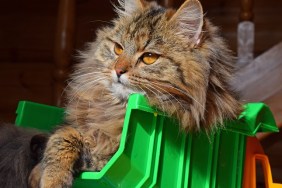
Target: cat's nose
<point>120,71</point>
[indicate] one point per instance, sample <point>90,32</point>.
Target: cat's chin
<point>121,91</point>
<point>121,88</point>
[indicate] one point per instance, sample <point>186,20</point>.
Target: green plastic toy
<point>154,153</point>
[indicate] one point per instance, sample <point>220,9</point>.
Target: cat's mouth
<point>121,88</point>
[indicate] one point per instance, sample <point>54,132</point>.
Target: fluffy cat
<point>174,57</point>
<point>20,151</point>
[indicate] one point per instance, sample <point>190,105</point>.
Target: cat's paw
<point>34,177</point>
<point>54,179</point>
<point>49,178</point>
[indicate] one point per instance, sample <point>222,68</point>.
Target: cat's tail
<point>20,150</point>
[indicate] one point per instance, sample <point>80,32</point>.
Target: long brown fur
<point>189,80</point>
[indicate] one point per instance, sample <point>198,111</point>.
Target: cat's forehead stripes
<point>142,28</point>
<point>146,20</point>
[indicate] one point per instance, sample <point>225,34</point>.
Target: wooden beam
<point>64,42</point>
<point>246,11</point>
<point>246,33</point>
<point>261,78</point>
<point>167,3</point>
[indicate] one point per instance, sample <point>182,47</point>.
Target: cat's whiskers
<point>79,83</point>
<point>79,76</point>
<point>85,87</point>
<point>145,81</point>
<point>145,93</point>
<point>169,100</point>
<point>88,69</point>
<point>176,111</point>
<point>142,82</point>
<point>169,95</point>
<point>159,98</point>
<point>69,83</point>
<point>103,21</point>
<point>181,91</point>
<point>85,82</point>
<point>138,86</point>
<point>88,74</point>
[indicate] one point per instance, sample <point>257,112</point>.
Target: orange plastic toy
<point>254,153</point>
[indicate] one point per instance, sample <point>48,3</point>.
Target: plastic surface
<point>254,154</point>
<point>154,153</point>
<point>39,116</point>
<point>256,117</point>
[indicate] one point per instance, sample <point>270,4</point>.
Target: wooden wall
<point>26,48</point>
<point>27,31</point>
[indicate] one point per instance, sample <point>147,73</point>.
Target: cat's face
<point>160,53</point>
<point>142,53</point>
<point>140,57</point>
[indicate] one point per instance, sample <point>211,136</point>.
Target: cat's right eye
<point>118,49</point>
<point>149,58</point>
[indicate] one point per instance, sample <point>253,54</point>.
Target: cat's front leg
<point>62,151</point>
<point>34,176</point>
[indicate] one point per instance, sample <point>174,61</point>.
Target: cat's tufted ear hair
<point>127,7</point>
<point>189,20</point>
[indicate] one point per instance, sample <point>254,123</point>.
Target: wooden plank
<point>64,43</point>
<point>13,95</point>
<point>275,104</point>
<point>25,74</point>
<point>261,78</point>
<point>7,117</point>
<point>245,42</point>
<point>24,81</point>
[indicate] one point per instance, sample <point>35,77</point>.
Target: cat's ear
<point>127,7</point>
<point>37,146</point>
<point>189,19</point>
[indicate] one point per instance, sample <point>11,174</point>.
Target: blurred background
<point>39,39</point>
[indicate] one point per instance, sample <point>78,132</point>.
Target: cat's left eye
<point>149,58</point>
<point>118,49</point>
